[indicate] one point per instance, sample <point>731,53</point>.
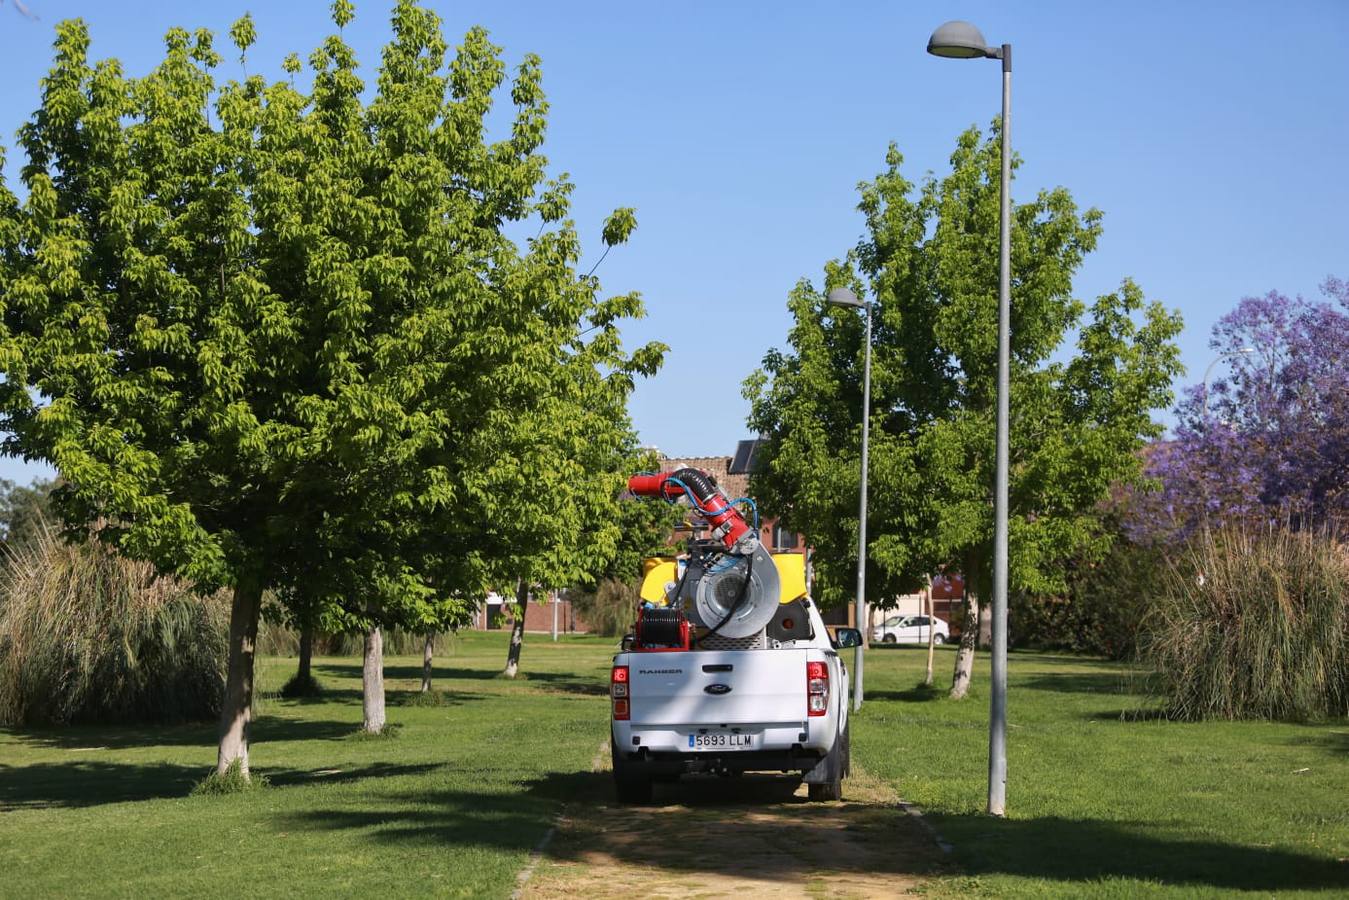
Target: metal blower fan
<point>728,605</point>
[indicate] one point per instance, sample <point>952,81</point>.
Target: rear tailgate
<point>756,687</point>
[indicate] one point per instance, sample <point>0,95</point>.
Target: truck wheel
<point>820,793</point>
<point>832,769</point>
<point>630,784</point>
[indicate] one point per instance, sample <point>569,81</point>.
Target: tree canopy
<point>930,260</point>
<point>1268,442</point>
<point>276,334</point>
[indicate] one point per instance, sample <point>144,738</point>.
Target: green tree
<point>557,517</point>
<point>608,599</point>
<point>930,259</point>
<point>25,511</point>
<point>271,337</point>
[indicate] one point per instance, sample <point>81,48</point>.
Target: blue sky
<point>1213,136</point>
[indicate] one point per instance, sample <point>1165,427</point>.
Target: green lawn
<point>454,803</point>
<point>1104,806</point>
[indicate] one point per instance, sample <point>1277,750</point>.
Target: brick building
<point>541,613</point>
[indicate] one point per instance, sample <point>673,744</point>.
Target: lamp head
<point>958,40</point>
<point>843,297</point>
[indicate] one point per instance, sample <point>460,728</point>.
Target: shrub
<point>89,636</point>
<point>1103,609</point>
<point>611,609</point>
<point>1254,624</point>
<point>231,781</point>
<point>301,686</point>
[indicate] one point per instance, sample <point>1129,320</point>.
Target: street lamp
<point>845,297</point>
<point>961,40</point>
<point>1244,351</point>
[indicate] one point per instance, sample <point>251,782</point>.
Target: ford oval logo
<point>718,689</point>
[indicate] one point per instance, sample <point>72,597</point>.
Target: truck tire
<point>630,783</point>
<point>825,781</point>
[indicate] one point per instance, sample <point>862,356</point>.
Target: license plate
<point>721,740</point>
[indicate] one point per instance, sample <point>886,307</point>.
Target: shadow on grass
<point>1085,683</point>
<point>590,686</point>
<point>919,693</point>
<point>90,738</point>
<point>433,699</point>
<point>1088,850</point>
<point>1131,714</point>
<point>1070,851</point>
<point>1333,742</point>
<point>87,782</point>
<point>327,695</point>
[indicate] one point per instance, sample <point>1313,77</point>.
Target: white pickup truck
<point>779,707</point>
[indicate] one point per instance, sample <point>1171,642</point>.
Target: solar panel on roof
<point>745,457</point>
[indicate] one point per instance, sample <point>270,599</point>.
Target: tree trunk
<point>372,682</point>
<point>969,633</point>
<point>427,652</point>
<point>518,631</point>
<point>237,709</point>
<point>931,632</point>
<point>306,652</point>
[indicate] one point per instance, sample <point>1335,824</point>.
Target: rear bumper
<point>814,735</point>
<point>780,747</point>
<point>667,763</point>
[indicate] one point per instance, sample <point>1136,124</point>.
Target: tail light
<point>618,691</point>
<point>817,688</point>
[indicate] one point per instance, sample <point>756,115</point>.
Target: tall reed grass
<point>610,609</point>
<point>89,636</point>
<point>1254,624</point>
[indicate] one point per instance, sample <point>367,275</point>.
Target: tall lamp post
<point>961,40</point>
<point>845,297</point>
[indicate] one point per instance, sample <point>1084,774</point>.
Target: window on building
<point>783,539</point>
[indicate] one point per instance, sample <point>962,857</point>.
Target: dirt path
<point>715,837</point>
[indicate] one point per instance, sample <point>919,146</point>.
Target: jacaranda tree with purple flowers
<point>1247,611</point>
<point>1269,442</point>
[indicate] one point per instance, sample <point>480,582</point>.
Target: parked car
<point>910,630</point>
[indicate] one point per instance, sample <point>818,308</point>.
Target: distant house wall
<point>538,617</point>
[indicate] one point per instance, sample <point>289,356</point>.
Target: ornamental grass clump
<point>87,635</point>
<point>611,608</point>
<point>1254,624</point>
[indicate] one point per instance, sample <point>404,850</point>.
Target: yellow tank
<point>659,571</point>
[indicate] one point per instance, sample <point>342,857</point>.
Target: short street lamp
<point>845,297</point>
<point>961,40</point>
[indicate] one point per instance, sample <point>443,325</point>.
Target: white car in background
<point>910,630</point>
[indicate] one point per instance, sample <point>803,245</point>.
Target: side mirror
<point>847,637</point>
<point>626,644</point>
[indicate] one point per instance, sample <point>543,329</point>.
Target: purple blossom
<point>1272,441</point>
